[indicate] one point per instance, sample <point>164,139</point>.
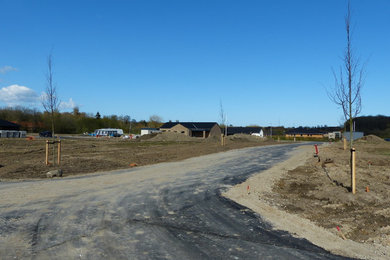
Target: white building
<point>260,134</point>
<point>147,131</point>
<point>334,135</point>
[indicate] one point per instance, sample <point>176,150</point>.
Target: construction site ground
<point>311,197</point>
<point>25,159</point>
<point>306,196</point>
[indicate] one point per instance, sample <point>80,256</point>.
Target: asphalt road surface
<point>162,211</point>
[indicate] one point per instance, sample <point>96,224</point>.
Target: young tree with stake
<point>347,89</point>
<point>50,100</point>
<point>349,81</point>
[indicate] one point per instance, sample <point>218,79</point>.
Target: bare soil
<point>320,191</point>
<point>311,198</point>
<point>25,159</point>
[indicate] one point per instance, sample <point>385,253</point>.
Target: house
<point>6,125</point>
<point>334,135</point>
<point>10,130</point>
<point>261,134</point>
<point>193,129</point>
<point>304,132</point>
<point>147,131</point>
<point>243,130</point>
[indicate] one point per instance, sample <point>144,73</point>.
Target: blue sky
<point>269,62</point>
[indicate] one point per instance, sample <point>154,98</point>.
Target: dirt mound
<point>146,137</point>
<point>212,139</point>
<point>321,192</point>
<point>170,136</point>
<point>372,139</point>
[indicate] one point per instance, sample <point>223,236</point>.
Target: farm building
<point>193,129</point>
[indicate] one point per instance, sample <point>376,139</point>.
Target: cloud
<point>67,105</point>
<point>6,69</point>
<point>18,95</point>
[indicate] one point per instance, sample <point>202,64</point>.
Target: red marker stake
<point>247,189</point>
<point>341,233</point>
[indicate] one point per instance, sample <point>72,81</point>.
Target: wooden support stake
<point>222,139</point>
<point>47,152</point>
<point>345,143</point>
<point>59,152</point>
<point>353,167</point>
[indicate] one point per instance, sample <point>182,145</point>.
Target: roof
<point>193,126</point>
<point>148,128</point>
<point>304,130</point>
<point>8,125</point>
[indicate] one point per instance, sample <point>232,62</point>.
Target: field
<point>25,159</point>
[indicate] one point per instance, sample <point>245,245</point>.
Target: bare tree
<point>155,121</point>
<point>222,115</point>
<point>50,99</point>
<point>348,81</point>
<point>347,90</point>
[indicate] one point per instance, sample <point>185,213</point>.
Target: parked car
<point>45,134</point>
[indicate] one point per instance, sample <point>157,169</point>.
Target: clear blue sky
<point>269,62</point>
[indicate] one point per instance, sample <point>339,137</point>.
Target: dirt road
<point>164,211</point>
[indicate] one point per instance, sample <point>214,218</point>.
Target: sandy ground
<point>25,159</point>
<point>310,199</point>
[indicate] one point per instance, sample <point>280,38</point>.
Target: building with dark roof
<point>306,132</point>
<point>193,129</point>
<point>6,125</point>
<point>243,130</point>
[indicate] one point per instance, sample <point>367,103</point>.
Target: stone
<point>54,173</point>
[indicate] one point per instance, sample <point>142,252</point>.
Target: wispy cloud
<point>67,105</point>
<point>18,95</point>
<point>6,69</point>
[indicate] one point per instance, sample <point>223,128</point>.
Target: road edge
<point>261,184</point>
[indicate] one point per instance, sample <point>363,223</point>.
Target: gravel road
<point>163,211</point>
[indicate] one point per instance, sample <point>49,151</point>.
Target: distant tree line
<point>75,122</point>
<point>375,125</point>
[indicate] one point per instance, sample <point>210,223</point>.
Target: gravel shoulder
<point>296,194</point>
